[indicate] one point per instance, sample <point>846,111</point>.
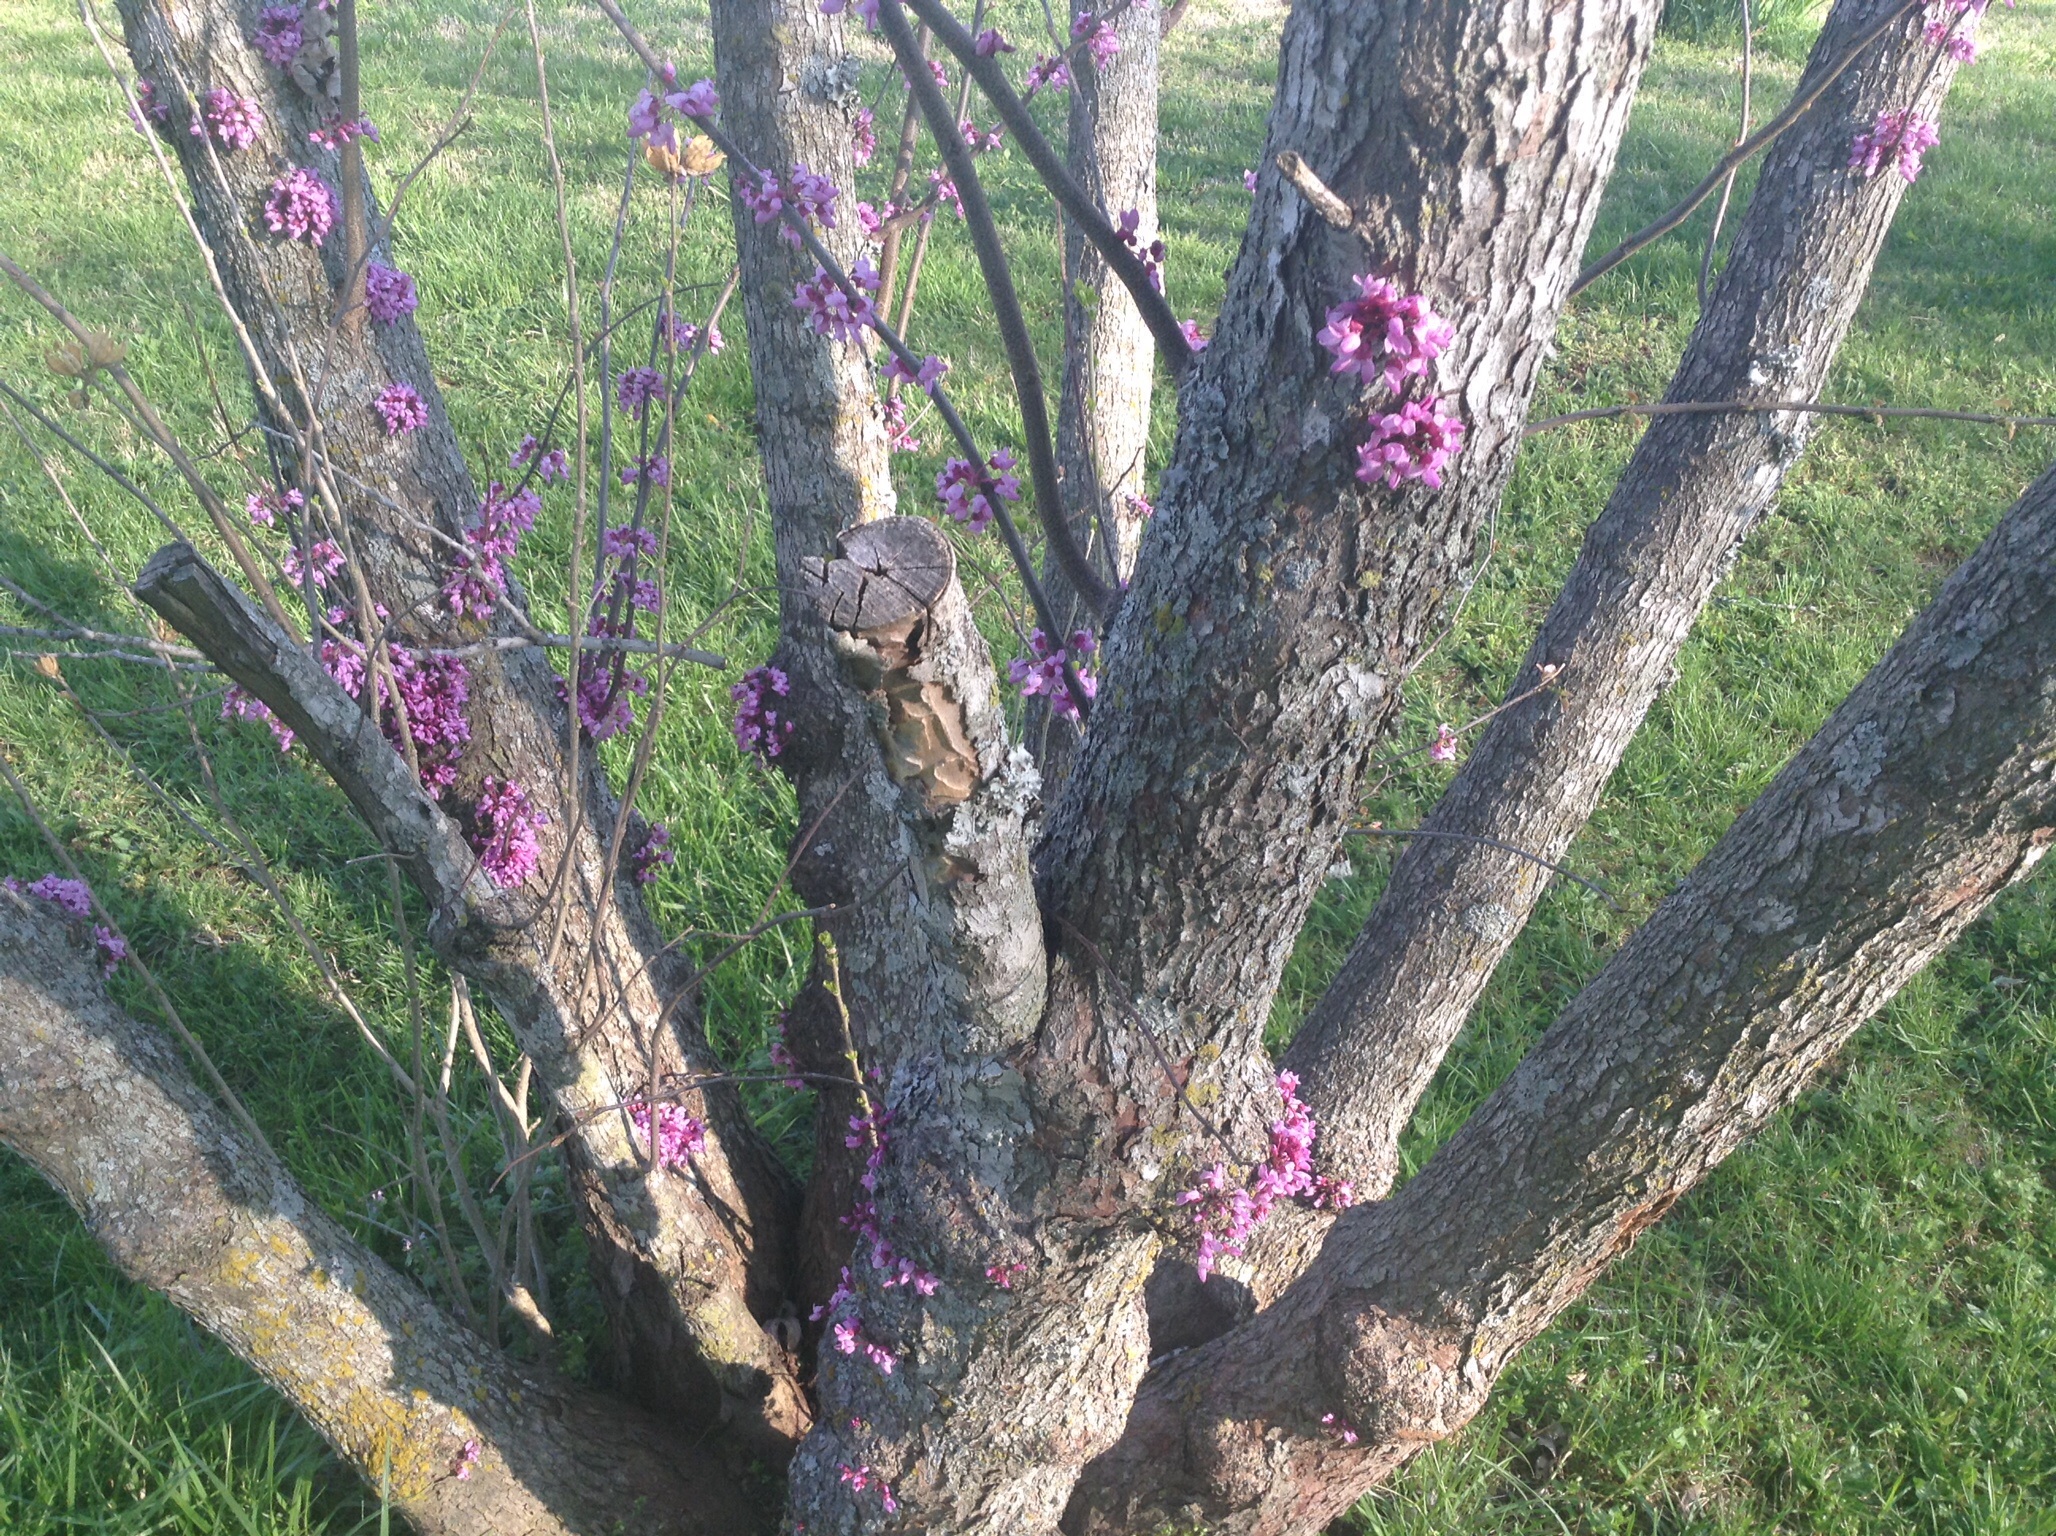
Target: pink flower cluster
<point>653,119</point>
<point>968,490</point>
<point>758,726</point>
<point>679,1136</point>
<point>150,112</point>
<point>1151,255</point>
<point>264,506</point>
<point>899,437</point>
<point>1382,332</point>
<point>867,9</point>
<point>1343,1429</point>
<point>432,689</point>
<point>988,44</point>
<point>869,1132</point>
<point>301,206</point>
<point>1099,38</point>
<point>607,686</point>
<point>650,468</point>
<point>653,855</point>
<point>335,135</point>
<point>1415,442</point>
<point>928,373</point>
<point>388,293</point>
<point>1443,748</point>
<point>401,408</point>
<point>324,560</point>
<point>810,195</point>
<point>278,34</point>
<point>479,575</point>
<point>73,899</point>
<point>860,1478</point>
<point>467,1460</point>
<point>1045,673</point>
<point>864,136</point>
<point>1002,1275</point>
<point>833,311</point>
<point>1047,73</point>
<point>1901,135</point>
<point>505,837</point>
<point>235,121</point>
<point>1226,1213</point>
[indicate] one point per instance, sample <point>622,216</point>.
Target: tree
<point>1076,1256</point>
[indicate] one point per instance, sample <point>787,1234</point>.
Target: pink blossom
<point>863,136</point>
<point>1226,1212</point>
<point>899,437</point>
<point>759,728</point>
<point>926,374</point>
<point>833,311</point>
<point>1249,181</point>
<point>1048,73</point>
<point>338,133</point>
<point>1140,506</point>
<point>327,560</point>
<point>1044,673</point>
<point>1002,1275</point>
<point>150,112</point>
<point>858,1479</point>
<point>679,1136</point>
<point>1443,748</point>
<point>699,99</point>
<point>1189,329</point>
<point>653,855</point>
<point>401,408</point>
<point>1384,332</point>
<point>969,493</point>
<point>635,388</point>
<point>549,467</point>
<point>388,293</point>
<point>1960,46</point>
<point>467,1460</point>
<point>1100,39</point>
<point>301,206</point>
<point>868,9</point>
<point>653,467</point>
<point>989,43</point>
<point>1341,1426</point>
<point>505,838</point>
<point>1151,255</point>
<point>1416,442</point>
<point>69,896</point>
<point>626,542</point>
<point>1902,135</point>
<point>238,705</point>
<point>235,121</point>
<point>264,506</point>
<point>112,946</point>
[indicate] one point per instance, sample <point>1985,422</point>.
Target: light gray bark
<point>680,1271</point>
<point>465,1441</point>
<point>1695,486</point>
<point>1927,793</point>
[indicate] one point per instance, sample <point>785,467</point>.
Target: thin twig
<point>1727,188</point>
<point>1773,407</point>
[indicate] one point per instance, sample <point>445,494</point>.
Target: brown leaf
<point>701,157</point>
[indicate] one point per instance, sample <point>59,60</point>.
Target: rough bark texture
<point>1929,791</point>
<point>1677,515</point>
<point>1279,602</point>
<point>182,1201</point>
<point>679,1270</point>
<point>1109,354</point>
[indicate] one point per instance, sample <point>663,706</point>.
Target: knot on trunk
<point>1394,1380</point>
<point>899,617</point>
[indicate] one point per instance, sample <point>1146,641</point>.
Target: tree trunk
<point>1696,485</point>
<point>464,1441</point>
<point>1926,794</point>
<point>678,1262</point>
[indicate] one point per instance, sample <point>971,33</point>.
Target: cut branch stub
<point>888,572</point>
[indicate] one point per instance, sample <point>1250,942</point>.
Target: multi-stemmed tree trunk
<point>1057,1001</point>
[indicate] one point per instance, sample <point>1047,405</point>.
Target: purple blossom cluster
<point>899,435</point>
<point>989,44</point>
<point>505,837</point>
<point>1443,748</point>
<point>654,118</point>
<point>810,195</point>
<point>1002,1275</point>
<point>867,9</point>
<point>433,690</point>
<point>835,311</point>
<point>150,112</point>
<point>858,1479</point>
<point>607,686</point>
<point>479,574</point>
<point>278,34</point>
<point>388,293</point>
<point>333,136</point>
<point>1226,1212</point>
<point>1128,227</point>
<point>649,468</point>
<point>925,375</point>
<point>759,728</point>
<point>323,560</point>
<point>1044,672</point>
<point>1385,333</point>
<point>1189,329</point>
<point>1415,442</point>
<point>864,136</point>
<point>679,1136</point>
<point>869,1131</point>
<point>550,467</point>
<point>401,408</point>
<point>301,206</point>
<point>1900,135</point>
<point>1099,38</point>
<point>982,141</point>
<point>968,490</point>
<point>263,507</point>
<point>654,854</point>
<point>635,388</point>
<point>234,121</point>
<point>1048,72</point>
<point>76,902</point>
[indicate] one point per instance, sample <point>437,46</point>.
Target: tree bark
<point>463,1440</point>
<point>1926,794</point>
<point>1694,488</point>
<point>684,1273</point>
<point>1109,355</point>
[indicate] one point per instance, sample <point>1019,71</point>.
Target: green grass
<point>1851,1327</point>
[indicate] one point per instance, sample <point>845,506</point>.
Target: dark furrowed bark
<point>1695,486</point>
<point>678,1268</point>
<point>1278,601</point>
<point>1927,793</point>
<point>1109,355</point>
<point>464,1441</point>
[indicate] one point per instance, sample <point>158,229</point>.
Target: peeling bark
<point>465,1441</point>
<point>1651,561</point>
<point>685,1272</point>
<point>1926,794</point>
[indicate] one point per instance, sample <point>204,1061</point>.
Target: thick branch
<point>463,1440</point>
<point>1696,485</point>
<point>1926,794</point>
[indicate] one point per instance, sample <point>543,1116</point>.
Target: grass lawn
<point>1850,1328</point>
